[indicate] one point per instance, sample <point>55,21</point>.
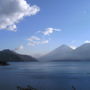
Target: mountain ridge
<point>9,55</point>
<point>64,52</point>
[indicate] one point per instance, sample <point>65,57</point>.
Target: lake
<point>46,75</point>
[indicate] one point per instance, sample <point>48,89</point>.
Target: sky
<point>36,27</point>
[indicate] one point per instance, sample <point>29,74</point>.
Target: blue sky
<point>68,19</point>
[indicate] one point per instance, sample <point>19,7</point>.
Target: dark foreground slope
<point>8,55</point>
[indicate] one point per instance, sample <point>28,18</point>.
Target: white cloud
<point>33,43</point>
<point>12,11</point>
<point>45,42</point>
<point>34,40</point>
<point>87,41</point>
<point>12,28</point>
<point>73,47</point>
<point>49,31</point>
<point>20,47</point>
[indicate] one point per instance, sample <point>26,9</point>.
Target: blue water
<point>46,75</point>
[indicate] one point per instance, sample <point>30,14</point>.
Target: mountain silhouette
<point>60,53</point>
<point>82,52</point>
<point>64,52</point>
<point>9,55</point>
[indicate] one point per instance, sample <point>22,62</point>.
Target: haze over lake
<point>46,75</point>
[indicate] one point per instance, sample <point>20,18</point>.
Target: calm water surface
<point>46,75</point>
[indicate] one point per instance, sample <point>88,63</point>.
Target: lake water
<point>46,75</point>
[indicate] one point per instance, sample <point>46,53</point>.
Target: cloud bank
<point>12,11</point>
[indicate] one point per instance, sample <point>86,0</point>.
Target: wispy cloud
<point>49,31</point>
<point>45,42</point>
<point>34,43</point>
<point>12,11</point>
<point>34,40</point>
